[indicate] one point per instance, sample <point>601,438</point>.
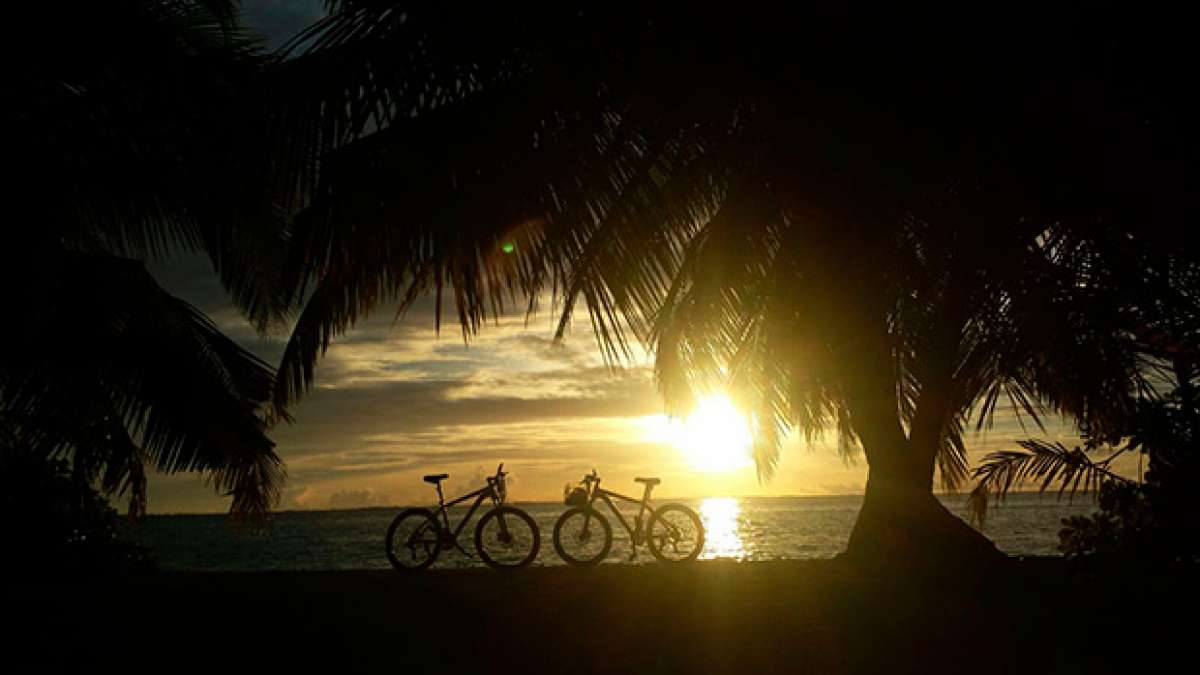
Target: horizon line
<point>1057,496</point>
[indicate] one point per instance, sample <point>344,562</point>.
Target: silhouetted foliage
<point>1124,527</point>
<point>1152,519</point>
<point>56,524</point>
<point>878,231</point>
<point>141,136</point>
<point>1156,520</point>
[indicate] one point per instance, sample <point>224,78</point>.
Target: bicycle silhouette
<point>505,537</point>
<point>582,536</point>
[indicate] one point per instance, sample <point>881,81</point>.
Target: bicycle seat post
<point>441,497</point>
<point>649,483</point>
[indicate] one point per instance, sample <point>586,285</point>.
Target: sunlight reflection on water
<point>745,528</point>
<point>722,525</point>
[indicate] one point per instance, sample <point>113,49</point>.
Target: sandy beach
<point>803,617</point>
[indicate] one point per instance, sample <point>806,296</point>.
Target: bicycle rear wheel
<point>507,538</point>
<point>675,534</point>
<point>414,540</point>
<point>582,536</point>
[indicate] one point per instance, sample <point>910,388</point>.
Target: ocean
<point>739,528</point>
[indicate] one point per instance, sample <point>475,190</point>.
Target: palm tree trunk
<point>901,523</point>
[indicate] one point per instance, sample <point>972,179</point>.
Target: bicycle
<point>505,537</point>
<point>673,534</point>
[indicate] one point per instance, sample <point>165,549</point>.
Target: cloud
<point>842,488</point>
<point>476,479</point>
<point>393,401</point>
<point>355,499</point>
<point>399,410</point>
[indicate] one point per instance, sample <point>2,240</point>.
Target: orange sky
<point>395,402</point>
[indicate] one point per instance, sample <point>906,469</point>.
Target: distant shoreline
<point>943,495</point>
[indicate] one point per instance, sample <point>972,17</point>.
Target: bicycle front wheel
<point>507,538</point>
<point>675,534</point>
<point>582,536</point>
<point>414,540</point>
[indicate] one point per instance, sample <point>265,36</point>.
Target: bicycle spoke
<point>582,537</point>
<point>412,540</point>
<point>676,534</point>
<point>506,537</point>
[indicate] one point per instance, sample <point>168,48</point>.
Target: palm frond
<point>952,464</point>
<point>119,375</point>
<point>104,455</point>
<point>1040,463</point>
<point>756,224</point>
<point>544,165</point>
<point>155,144</point>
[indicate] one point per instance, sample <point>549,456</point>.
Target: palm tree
<point>1154,515</point>
<point>142,137</point>
<point>888,234</point>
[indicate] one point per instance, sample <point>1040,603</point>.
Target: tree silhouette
<point>58,525</point>
<point>141,137</point>
<point>880,231</point>
<point>1141,519</point>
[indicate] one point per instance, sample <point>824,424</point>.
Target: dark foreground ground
<point>802,617</point>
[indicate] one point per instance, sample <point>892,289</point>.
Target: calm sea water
<point>754,528</point>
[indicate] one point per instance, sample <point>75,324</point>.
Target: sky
<point>393,401</point>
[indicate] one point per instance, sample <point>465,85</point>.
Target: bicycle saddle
<point>436,478</point>
<point>648,481</point>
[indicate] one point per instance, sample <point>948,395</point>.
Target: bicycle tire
<point>500,512</point>
<point>564,520</point>
<point>432,548</point>
<point>659,518</point>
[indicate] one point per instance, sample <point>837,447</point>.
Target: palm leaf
<point>120,375</point>
<point>758,225</point>
<point>155,144</point>
<point>1039,462</point>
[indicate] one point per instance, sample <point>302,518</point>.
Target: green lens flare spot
<point>508,247</point>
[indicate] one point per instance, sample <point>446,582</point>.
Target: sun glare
<point>715,437</point>
<point>722,528</point>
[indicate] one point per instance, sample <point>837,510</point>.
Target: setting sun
<point>715,437</point>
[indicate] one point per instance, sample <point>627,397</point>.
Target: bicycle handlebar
<point>497,482</point>
<point>498,478</point>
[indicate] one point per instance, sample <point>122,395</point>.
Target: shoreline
<point>758,530</point>
<point>557,501</point>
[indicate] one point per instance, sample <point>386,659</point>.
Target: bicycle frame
<point>599,493</point>
<point>443,509</point>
